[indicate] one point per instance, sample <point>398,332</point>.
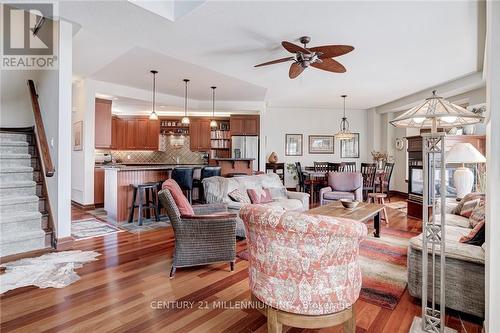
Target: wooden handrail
<point>43,145</point>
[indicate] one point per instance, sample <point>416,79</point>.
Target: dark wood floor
<point>122,292</point>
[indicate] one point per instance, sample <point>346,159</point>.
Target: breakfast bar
<point>234,166</point>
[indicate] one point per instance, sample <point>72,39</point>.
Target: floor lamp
<point>434,113</point>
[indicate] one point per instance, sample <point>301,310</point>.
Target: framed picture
<point>293,144</point>
<point>321,144</point>
<point>350,148</point>
<point>78,135</point>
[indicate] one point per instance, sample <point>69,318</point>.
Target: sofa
<point>217,188</point>
<point>342,185</point>
<point>465,272</point>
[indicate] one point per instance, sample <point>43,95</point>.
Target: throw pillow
<point>259,197</point>
<point>476,236</point>
<point>478,214</point>
<point>468,207</point>
<point>239,196</point>
<point>468,197</point>
<point>277,192</point>
<point>180,199</point>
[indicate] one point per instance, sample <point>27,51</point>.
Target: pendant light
<point>344,133</point>
<point>213,123</point>
<point>185,119</point>
<point>153,115</point>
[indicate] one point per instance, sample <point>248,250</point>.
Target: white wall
<point>276,122</point>
<point>492,322</point>
<point>15,102</point>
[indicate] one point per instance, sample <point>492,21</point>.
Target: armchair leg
<point>172,272</point>
<point>231,265</point>
<point>350,324</point>
<point>273,325</point>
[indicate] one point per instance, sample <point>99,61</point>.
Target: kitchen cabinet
<point>103,123</point>
<point>199,134</point>
<point>130,134</point>
<point>98,187</point>
<point>244,125</point>
<point>142,133</point>
<point>135,133</point>
<point>153,136</point>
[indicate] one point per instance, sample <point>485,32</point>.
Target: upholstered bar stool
<point>206,172</point>
<point>184,177</point>
<point>379,198</point>
<point>146,202</point>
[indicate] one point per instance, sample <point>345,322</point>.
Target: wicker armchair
<point>207,237</point>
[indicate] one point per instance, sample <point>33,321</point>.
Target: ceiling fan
<point>319,57</point>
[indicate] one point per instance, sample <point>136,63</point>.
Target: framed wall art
<point>321,144</point>
<point>293,144</point>
<point>350,148</point>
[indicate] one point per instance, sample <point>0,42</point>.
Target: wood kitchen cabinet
<point>98,187</point>
<point>135,133</point>
<point>130,134</point>
<point>245,125</point>
<point>103,123</point>
<point>199,134</point>
<point>153,136</point>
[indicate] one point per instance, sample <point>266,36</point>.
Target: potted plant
<point>380,158</point>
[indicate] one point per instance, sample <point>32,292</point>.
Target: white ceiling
<point>400,47</point>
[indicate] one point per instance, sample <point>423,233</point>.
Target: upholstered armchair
<point>207,237</point>
<point>342,185</point>
<point>304,267</point>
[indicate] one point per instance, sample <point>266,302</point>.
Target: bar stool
<point>184,177</point>
<point>379,198</point>
<point>206,172</point>
<point>147,201</point>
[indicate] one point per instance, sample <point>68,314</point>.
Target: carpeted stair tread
<point>18,200</point>
<point>23,236</point>
<point>14,143</point>
<point>14,156</point>
<point>20,216</point>
<point>16,169</point>
<point>17,184</point>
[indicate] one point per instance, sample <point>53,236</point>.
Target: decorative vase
<point>273,158</point>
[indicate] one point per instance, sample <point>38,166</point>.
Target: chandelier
<point>344,133</point>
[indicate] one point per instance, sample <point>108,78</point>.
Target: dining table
<point>315,178</point>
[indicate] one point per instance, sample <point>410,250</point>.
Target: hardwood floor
<point>128,290</point>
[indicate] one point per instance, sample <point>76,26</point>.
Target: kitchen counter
<point>231,166</point>
<point>124,167</point>
<point>234,159</point>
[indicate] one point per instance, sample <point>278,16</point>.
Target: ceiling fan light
<point>185,120</point>
<point>153,116</point>
<point>213,123</point>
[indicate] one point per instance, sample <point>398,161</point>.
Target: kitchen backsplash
<point>170,150</point>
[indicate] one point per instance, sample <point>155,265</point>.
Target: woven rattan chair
<point>207,237</point>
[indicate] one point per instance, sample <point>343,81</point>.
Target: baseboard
<point>65,243</point>
<point>399,194</point>
<point>23,255</point>
<point>84,207</point>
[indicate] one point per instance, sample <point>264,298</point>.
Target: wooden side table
<point>277,168</point>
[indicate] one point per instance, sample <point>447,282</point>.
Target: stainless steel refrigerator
<point>246,147</point>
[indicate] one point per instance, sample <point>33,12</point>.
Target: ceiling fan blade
<point>330,65</point>
<point>295,70</point>
<point>331,51</point>
<point>292,48</point>
<point>275,61</point>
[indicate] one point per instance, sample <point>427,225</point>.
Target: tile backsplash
<point>171,148</point>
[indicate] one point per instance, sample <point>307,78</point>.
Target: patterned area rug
<point>383,265</point>
<point>91,227</point>
<point>402,206</point>
<point>52,270</point>
<point>147,225</point>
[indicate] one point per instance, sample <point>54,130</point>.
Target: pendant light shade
<point>185,119</point>
<point>344,133</point>
<point>213,122</point>
<point>153,115</point>
<point>436,112</point>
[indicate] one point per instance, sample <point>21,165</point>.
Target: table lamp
<point>463,177</point>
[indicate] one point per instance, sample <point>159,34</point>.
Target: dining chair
<point>369,171</point>
<point>303,182</point>
<point>321,166</point>
<point>334,167</point>
<point>348,167</point>
<point>384,183</point>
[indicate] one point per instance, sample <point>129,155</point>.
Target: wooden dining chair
<point>348,167</point>
<point>383,184</point>
<point>369,171</point>
<point>303,182</point>
<point>334,167</point>
<point>321,166</point>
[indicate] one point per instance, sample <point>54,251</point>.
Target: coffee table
<point>363,212</point>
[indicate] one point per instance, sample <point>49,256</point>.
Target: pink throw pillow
<point>180,199</point>
<point>265,196</point>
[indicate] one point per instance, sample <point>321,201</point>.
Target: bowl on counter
<point>348,203</point>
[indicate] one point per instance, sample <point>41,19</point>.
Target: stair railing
<point>43,145</point>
